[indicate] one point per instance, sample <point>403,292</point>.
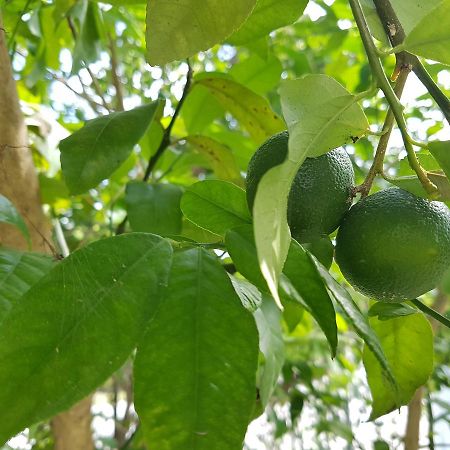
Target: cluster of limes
<point>391,246</point>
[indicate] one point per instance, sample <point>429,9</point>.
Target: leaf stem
<point>395,105</point>
<point>431,312</point>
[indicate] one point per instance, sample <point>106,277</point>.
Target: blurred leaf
<point>296,405</point>
<point>94,152</point>
<point>267,16</point>
<point>67,351</point>
<point>427,39</point>
<point>19,271</point>
<point>179,30</point>
<point>271,344</point>
<point>321,115</point>
<point>441,152</point>
<point>203,341</point>
<point>215,206</point>
<point>400,338</point>
<point>154,208</point>
<point>10,215</point>
<point>412,184</point>
<point>380,445</point>
<point>306,280</point>
<point>385,311</point>
<point>252,111</point>
<point>219,157</point>
<point>52,189</point>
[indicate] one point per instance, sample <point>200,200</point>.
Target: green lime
<point>320,193</point>
<point>393,246</point>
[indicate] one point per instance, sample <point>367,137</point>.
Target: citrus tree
<point>197,162</point>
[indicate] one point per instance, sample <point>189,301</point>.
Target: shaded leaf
<point>10,215</point>
<point>408,345</point>
<point>205,343</point>
<point>252,111</point>
<point>441,152</point>
<point>249,294</point>
<point>386,311</point>
<point>19,271</point>
<point>321,115</point>
<point>179,30</point>
<point>154,208</point>
<point>215,206</point>
<point>412,184</point>
<point>94,152</point>
<point>60,340</point>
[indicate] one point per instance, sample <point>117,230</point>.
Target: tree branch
<point>117,83</point>
<point>394,31</point>
<point>397,108</point>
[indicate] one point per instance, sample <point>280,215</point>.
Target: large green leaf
<point>195,370</point>
<point>178,30</point>
<point>429,40</point>
<point>408,344</point>
<point>94,152</point>
<point>320,115</point>
<point>267,16</point>
<point>271,344</point>
<point>251,110</point>
<point>10,215</point>
<point>77,325</point>
<point>154,208</point>
<point>358,321</point>
<point>219,157</point>
<point>215,205</point>
<point>18,272</point>
<point>306,280</point>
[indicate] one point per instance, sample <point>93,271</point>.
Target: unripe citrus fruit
<point>393,246</point>
<point>321,191</point>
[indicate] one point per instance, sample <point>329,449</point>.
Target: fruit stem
<point>431,312</point>
<point>394,103</point>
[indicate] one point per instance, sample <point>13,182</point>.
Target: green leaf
<point>359,322</point>
<point>94,152</point>
<point>252,111</point>
<point>321,115</point>
<point>179,30</point>
<point>219,157</point>
<point>386,311</point>
<point>408,344</point>
<point>240,243</point>
<point>271,344</point>
<point>77,325</point>
<point>154,208</point>
<point>441,152</point>
<point>215,206</point>
<point>412,184</point>
<point>267,16</point>
<point>18,272</point>
<point>306,280</point>
<point>429,40</point>
<point>10,215</point>
<point>249,294</point>
<point>195,369</point>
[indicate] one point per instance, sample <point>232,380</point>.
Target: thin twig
<point>430,422</point>
<point>60,238</point>
<point>396,35</point>
<point>117,83</point>
<point>165,141</point>
<point>431,312</point>
<point>127,443</point>
<point>397,108</point>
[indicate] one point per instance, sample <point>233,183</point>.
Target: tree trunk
<point>19,183</point>
<point>415,405</point>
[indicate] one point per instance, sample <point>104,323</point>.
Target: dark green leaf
<point>195,369</point>
<point>18,272</point>
<point>154,208</point>
<point>304,277</point>
<point>10,215</point>
<point>408,345</point>
<point>77,325</point>
<point>94,152</point>
<point>386,311</point>
<point>215,206</point>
